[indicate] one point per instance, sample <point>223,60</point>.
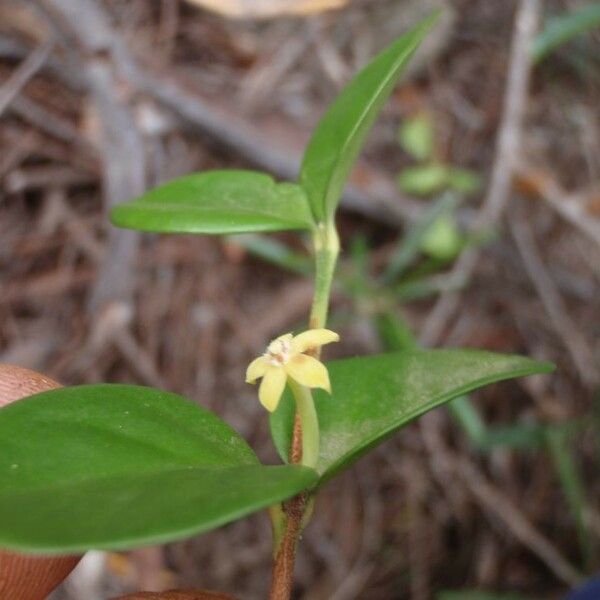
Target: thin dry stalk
<point>507,153</point>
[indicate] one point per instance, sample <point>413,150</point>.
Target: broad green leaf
<point>116,466</point>
<point>217,202</point>
<point>337,140</point>
<point>423,180</point>
<point>374,396</point>
<point>416,136</point>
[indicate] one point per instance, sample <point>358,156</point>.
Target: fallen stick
<point>507,151</point>
<point>567,331</point>
<point>497,504</point>
<point>25,71</point>
<point>86,26</point>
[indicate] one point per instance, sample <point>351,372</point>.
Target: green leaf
<point>573,486</point>
<point>564,28</point>
<point>375,396</point>
<point>416,136</point>
<point>116,466</point>
<point>218,202</point>
<point>409,245</point>
<point>393,332</point>
<point>274,252</point>
<point>518,436</point>
<point>468,417</point>
<point>423,180</point>
<point>464,181</point>
<point>443,239</point>
<point>337,140</point>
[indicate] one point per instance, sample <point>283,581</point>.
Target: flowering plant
<point>120,466</point>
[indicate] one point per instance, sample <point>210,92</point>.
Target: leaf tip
<point>116,217</point>
<point>546,367</point>
<point>429,21</point>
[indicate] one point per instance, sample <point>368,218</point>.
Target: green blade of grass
<point>571,483</point>
<point>274,252</point>
<point>564,28</point>
<point>410,245</point>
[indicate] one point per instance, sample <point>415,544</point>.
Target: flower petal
<point>256,369</point>
<point>314,338</point>
<point>308,371</point>
<point>271,387</point>
<point>286,337</point>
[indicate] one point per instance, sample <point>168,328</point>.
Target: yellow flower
<point>285,358</point>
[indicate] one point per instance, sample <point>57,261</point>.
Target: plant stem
<point>309,425</point>
<point>285,557</point>
<point>305,438</point>
<point>327,248</point>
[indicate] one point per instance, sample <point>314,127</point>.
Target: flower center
<point>278,352</point>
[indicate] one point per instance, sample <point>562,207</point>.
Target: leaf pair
<point>231,201</point>
<point>118,466</point>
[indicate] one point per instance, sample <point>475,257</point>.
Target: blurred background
<point>473,219</point>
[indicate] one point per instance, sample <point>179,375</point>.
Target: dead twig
<point>499,505</point>
<point>21,180</point>
<point>123,157</point>
<point>16,152</point>
<point>50,123</point>
<point>507,151</point>
<point>570,206</point>
<point>356,577</point>
<point>112,327</point>
<point>85,24</point>
<point>23,73</point>
<point>418,549</point>
<point>567,331</point>
<point>37,288</point>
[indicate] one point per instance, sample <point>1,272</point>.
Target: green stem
<point>310,425</point>
<point>278,518</point>
<point>306,434</point>
<point>327,248</point>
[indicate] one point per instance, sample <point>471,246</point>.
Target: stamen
<point>278,352</point>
